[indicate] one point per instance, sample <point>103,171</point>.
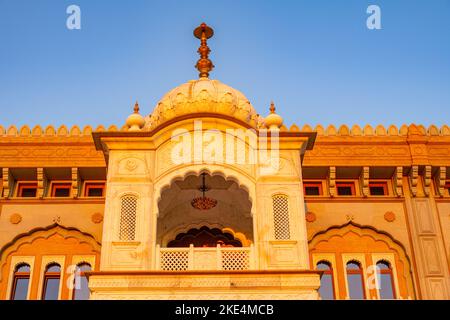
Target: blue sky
<point>315,59</point>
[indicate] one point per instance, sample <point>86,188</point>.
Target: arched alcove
<point>177,215</point>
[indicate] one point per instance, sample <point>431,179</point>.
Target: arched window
<point>21,281</point>
<point>52,277</point>
<point>355,280</point>
<point>326,282</point>
<point>127,228</point>
<point>81,289</point>
<point>281,217</point>
<point>385,280</point>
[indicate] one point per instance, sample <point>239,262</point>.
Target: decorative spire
<point>136,107</point>
<point>135,121</point>
<point>272,107</point>
<point>204,65</point>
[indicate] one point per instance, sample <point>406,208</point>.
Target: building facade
<point>206,199</point>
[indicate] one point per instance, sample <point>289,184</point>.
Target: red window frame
<point>81,274</point>
<point>379,184</point>
<point>19,275</point>
<point>346,184</point>
<point>50,275</point>
<point>359,272</point>
<point>94,185</point>
<point>447,186</point>
<point>60,185</point>
<point>391,273</point>
<point>26,185</point>
<point>328,272</point>
<point>312,184</point>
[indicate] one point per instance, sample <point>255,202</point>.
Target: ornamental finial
<point>136,107</point>
<point>272,107</point>
<point>204,65</point>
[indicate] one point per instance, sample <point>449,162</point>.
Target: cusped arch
<point>227,172</point>
<point>376,235</point>
<point>45,233</point>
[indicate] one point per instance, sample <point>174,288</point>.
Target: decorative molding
<point>75,183</point>
<point>389,216</point>
<point>398,179</point>
<point>427,180</point>
<point>6,183</point>
<point>332,182</point>
<point>15,218</point>
<point>365,181</point>
<point>414,179</point>
<point>441,180</point>
<point>40,183</point>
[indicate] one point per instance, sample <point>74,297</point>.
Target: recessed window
<point>345,188</point>
<point>378,189</point>
<point>27,190</point>
<point>326,289</point>
<point>51,282</point>
<point>94,189</point>
<point>21,280</point>
<point>81,289</point>
<point>312,188</point>
<point>355,280</point>
<point>60,190</point>
<point>447,186</point>
<point>385,280</point>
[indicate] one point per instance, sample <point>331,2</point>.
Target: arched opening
<point>199,209</point>
<point>326,289</point>
<point>386,286</point>
<point>21,280</point>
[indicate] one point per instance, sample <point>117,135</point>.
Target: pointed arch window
<point>355,280</point>
<point>52,277</point>
<point>81,289</point>
<point>326,289</point>
<point>386,288</point>
<point>21,281</point>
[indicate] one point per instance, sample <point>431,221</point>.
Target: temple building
<point>203,198</point>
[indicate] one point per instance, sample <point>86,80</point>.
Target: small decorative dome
<point>203,96</point>
<point>135,121</point>
<point>273,121</point>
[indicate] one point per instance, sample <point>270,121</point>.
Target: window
<point>312,188</point>
<point>385,280</point>
<point>60,190</point>
<point>94,189</point>
<point>447,186</point>
<point>281,217</point>
<point>21,280</point>
<point>345,188</point>
<point>81,289</point>
<point>52,275</point>
<point>326,289</point>
<point>27,190</point>
<point>355,280</point>
<point>128,218</point>
<point>378,188</point>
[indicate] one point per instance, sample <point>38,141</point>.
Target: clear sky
<point>316,59</point>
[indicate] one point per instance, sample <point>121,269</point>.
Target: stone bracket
<point>332,182</point>
<point>398,179</point>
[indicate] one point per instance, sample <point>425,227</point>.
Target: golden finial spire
<point>272,107</point>
<point>204,65</point>
<point>136,107</point>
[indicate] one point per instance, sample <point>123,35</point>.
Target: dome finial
<point>273,121</point>
<point>204,65</point>
<point>272,107</point>
<point>135,121</point>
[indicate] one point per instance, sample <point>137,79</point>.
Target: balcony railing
<point>218,258</point>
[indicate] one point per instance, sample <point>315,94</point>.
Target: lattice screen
<point>127,231</point>
<point>235,260</point>
<point>174,260</point>
<point>281,217</point>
